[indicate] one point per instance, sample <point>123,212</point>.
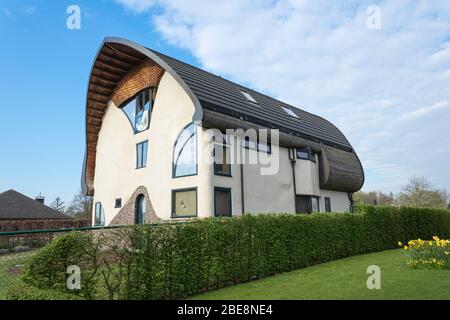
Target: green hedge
<point>178,260</point>
<point>24,292</point>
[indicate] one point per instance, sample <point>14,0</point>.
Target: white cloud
<point>320,56</point>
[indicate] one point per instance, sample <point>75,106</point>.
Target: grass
<point>345,279</point>
<point>10,269</point>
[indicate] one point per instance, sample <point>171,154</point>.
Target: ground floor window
<point>184,203</point>
<point>141,209</point>
<point>99,215</point>
<point>306,204</point>
<point>327,204</point>
<point>222,202</point>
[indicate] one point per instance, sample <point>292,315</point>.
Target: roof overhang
<point>114,59</point>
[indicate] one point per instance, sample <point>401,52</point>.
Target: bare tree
<point>58,205</point>
<point>81,207</point>
<point>420,193</point>
<point>374,198</point>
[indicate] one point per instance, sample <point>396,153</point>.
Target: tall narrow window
<point>315,204</point>
<point>139,109</point>
<point>141,209</point>
<point>99,215</point>
<point>327,204</point>
<point>185,153</point>
<point>222,202</point>
<point>141,154</point>
<point>184,203</point>
<point>222,164</point>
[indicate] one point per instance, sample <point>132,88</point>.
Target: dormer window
<point>248,96</point>
<point>290,112</point>
<point>139,109</point>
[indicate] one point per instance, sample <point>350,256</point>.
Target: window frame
<point>118,203</point>
<point>225,145</point>
<point>102,211</point>
<point>175,161</point>
<point>290,112</point>
<point>248,96</point>
<point>230,199</point>
<point>327,201</point>
<point>145,142</point>
<point>318,204</point>
<point>135,97</point>
<point>140,197</point>
<point>173,214</point>
<point>311,154</point>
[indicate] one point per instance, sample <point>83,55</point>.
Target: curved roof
<point>218,94</point>
<point>209,93</point>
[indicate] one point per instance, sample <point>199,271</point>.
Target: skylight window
<point>248,96</point>
<point>290,112</point>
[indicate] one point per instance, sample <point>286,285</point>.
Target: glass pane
<point>222,165</point>
<point>315,204</point>
<point>185,203</point>
<point>144,154</point>
<point>222,203</point>
<point>139,156</point>
<point>185,153</point>
<point>141,209</point>
<point>264,147</point>
<point>303,154</point>
<point>290,112</point>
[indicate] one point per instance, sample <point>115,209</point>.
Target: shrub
<point>428,253</point>
<point>24,292</point>
<point>47,269</point>
<point>171,261</point>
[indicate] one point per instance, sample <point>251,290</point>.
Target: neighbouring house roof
<point>216,101</point>
<point>16,206</point>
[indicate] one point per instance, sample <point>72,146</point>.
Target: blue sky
<point>387,89</point>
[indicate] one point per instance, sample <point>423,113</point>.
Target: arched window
<point>185,152</point>
<point>139,110</point>
<point>99,215</point>
<point>141,209</point>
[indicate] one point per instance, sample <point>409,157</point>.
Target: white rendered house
<point>150,141</point>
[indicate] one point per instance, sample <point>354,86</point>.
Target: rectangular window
<point>141,154</point>
<point>222,202</point>
<point>306,204</point>
<point>315,204</point>
<point>263,147</point>
<point>306,154</point>
<point>118,203</point>
<point>222,164</point>
<point>327,204</point>
<point>184,203</point>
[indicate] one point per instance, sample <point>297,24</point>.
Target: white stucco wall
<point>116,175</point>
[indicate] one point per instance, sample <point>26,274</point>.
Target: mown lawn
<point>345,279</point>
<point>11,267</point>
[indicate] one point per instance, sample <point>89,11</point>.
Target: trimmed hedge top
<point>178,260</point>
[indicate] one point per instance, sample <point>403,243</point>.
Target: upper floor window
<point>139,109</point>
<point>99,215</point>
<point>306,154</point>
<point>250,143</point>
<point>141,154</point>
<point>222,164</point>
<point>185,152</point>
